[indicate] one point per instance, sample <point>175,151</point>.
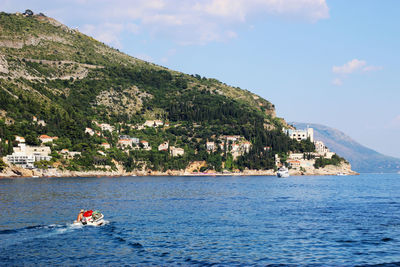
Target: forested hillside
<point>59,82</point>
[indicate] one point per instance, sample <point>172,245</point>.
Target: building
<point>296,156</point>
<point>19,139</point>
<point>210,146</point>
<point>22,160</point>
<point>106,127</point>
<point>153,123</point>
<point>134,139</point>
<point>300,135</point>
<point>42,123</point>
<point>145,144</point>
<point>45,138</point>
<point>175,151</point>
<point>320,147</point>
<point>70,154</point>
<point>125,142</point>
<point>25,156</point>
<point>294,163</point>
<point>163,147</point>
<point>235,148</point>
<point>231,138</point>
<point>106,145</point>
<point>89,131</point>
<point>246,146</point>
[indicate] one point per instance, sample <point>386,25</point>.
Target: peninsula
<point>72,106</point>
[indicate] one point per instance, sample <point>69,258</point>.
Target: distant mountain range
<point>362,159</point>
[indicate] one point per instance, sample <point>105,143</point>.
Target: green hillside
<point>71,82</point>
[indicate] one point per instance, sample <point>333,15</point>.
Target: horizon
<point>334,50</point>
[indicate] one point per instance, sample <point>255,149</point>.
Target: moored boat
<point>283,172</point>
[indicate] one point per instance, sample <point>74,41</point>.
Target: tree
<point>28,12</point>
<point>32,140</point>
<point>2,165</point>
<point>10,147</point>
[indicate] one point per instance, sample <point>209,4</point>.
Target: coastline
<point>17,172</point>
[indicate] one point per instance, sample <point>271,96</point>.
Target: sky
<point>332,62</point>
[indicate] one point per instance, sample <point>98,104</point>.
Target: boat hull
<point>99,221</point>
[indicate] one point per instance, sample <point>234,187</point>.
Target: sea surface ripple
<point>224,221</point>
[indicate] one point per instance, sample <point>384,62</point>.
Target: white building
<point>175,151</point>
<point>153,123</point>
<point>145,144</point>
<point>163,147</point>
<point>45,138</point>
<point>246,146</point>
<point>25,156</point>
<point>19,139</point>
<point>301,134</point>
<point>135,140</point>
<point>106,145</point>
<point>125,142</point>
<point>106,127</point>
<point>70,154</point>
<point>296,156</point>
<point>210,146</point>
<point>42,123</point>
<point>320,147</point>
<point>89,131</point>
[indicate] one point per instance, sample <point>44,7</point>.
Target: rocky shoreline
<point>17,172</point>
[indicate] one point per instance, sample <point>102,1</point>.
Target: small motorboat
<point>90,217</point>
<point>283,172</point>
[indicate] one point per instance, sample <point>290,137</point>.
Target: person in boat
<point>80,216</point>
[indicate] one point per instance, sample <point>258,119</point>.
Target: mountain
<point>362,159</point>
<point>98,103</point>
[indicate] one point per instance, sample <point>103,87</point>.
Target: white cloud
<point>190,22</point>
<point>107,33</point>
<point>337,82</point>
<point>241,9</point>
<point>349,67</point>
<point>372,68</point>
<point>353,66</point>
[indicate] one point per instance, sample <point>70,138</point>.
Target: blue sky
<point>333,62</point>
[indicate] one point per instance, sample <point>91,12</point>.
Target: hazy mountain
<point>362,159</point>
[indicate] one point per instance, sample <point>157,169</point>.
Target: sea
<point>202,221</point>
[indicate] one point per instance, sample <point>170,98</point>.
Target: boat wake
<point>25,234</point>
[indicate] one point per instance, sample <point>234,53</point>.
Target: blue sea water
<point>330,220</point>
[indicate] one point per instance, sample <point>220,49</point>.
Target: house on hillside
<point>69,154</point>
<point>300,135</point>
<point>210,146</point>
<point>175,151</point>
<point>163,146</point>
<point>45,138</point>
<point>125,142</point>
<point>153,123</point>
<point>246,146</point>
<point>145,144</point>
<point>19,139</point>
<point>89,131</point>
<point>106,145</point>
<point>25,156</point>
<point>106,127</point>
